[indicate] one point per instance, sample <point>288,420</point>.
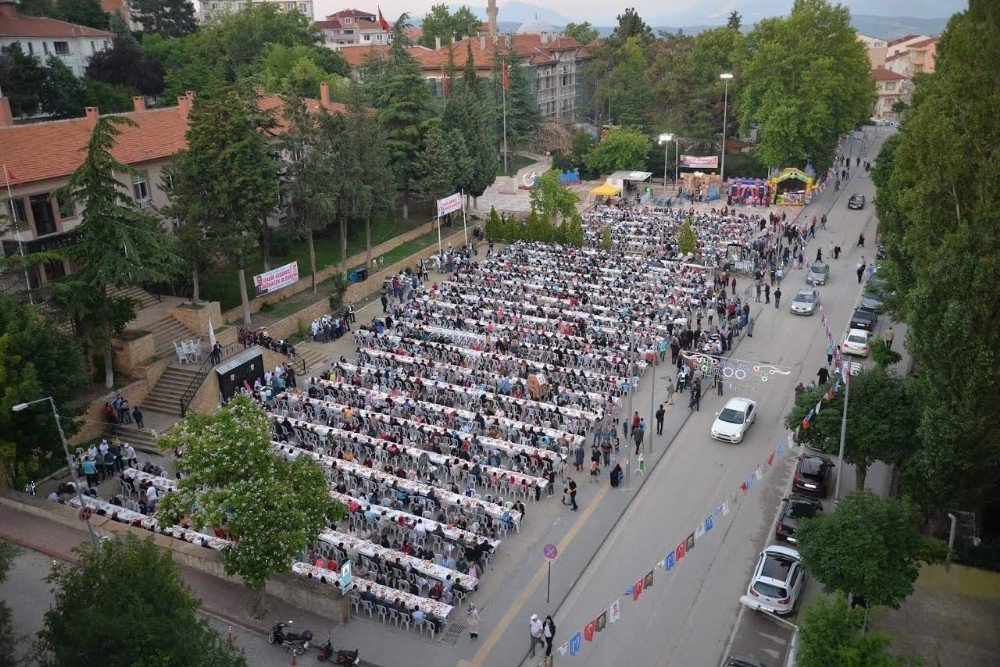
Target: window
<point>41,210</point>
<point>16,208</point>
<point>45,47</point>
<point>140,188</point>
<point>93,47</point>
<point>890,85</point>
<point>368,38</point>
<point>66,208</point>
<point>31,49</point>
<point>62,48</point>
<point>168,180</point>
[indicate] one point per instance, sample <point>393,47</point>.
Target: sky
<point>657,12</point>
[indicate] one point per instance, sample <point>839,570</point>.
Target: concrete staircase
<point>165,396</point>
<point>166,332</point>
<point>141,439</point>
<point>142,298</point>
<point>314,360</point>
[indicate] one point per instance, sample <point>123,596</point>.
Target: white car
<point>804,302</point>
<point>732,423</point>
<point>856,342</point>
<point>777,580</point>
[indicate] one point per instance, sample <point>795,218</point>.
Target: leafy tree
<point>881,424</point>
<point>869,546</point>
<point>551,200</point>
<point>62,94</point>
<point>10,640</point>
<point>125,66</point>
<point>441,23</point>
<point>805,81</point>
<point>735,20</point>
<point>468,112</point>
<point>170,18</point>
<point>104,96</point>
<point>606,239</point>
<point>36,359</point>
<point>523,115</point>
<point>630,25</point>
<point>687,241</point>
<point>618,149</point>
<point>126,604</point>
<point>22,79</point>
<point>583,33</point>
<point>899,107</point>
<point>493,225</point>
<point>241,37</point>
<point>300,69</point>
<point>940,231</point>
<point>81,12</point>
<point>439,174</point>
<point>831,634</point>
<point>624,89</point>
<point>121,246</point>
<point>119,27</point>
<point>676,100</point>
<point>225,182</point>
<point>270,507</point>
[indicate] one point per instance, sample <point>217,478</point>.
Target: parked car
<point>864,318</point>
<point>871,299</point>
<point>744,660</point>
<point>732,423</point>
<point>856,342</point>
<point>880,252</point>
<point>777,580</point>
<point>812,475</point>
<point>819,273</point>
<point>856,202</point>
<point>795,508</point>
<point>805,301</point>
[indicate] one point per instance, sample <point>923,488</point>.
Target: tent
<point>792,187</point>
<point>606,190</point>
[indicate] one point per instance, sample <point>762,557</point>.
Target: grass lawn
<point>222,284</point>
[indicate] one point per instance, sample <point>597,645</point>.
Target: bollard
<point>229,636</point>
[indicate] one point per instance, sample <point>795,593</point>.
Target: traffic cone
<point>295,660</point>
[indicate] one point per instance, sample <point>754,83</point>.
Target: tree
<point>125,66</point>
<point>119,27</point>
<point>735,20</point>
<point>550,199</point>
<point>467,111</point>
<point>439,174</point>
<point>440,23</point>
<point>225,182</point>
<point>170,18</point>
<point>583,33</point>
<point>62,94</point>
<point>624,88</point>
<point>940,230</point>
<point>22,79</point>
<point>869,546</point>
<point>831,634</point>
<point>523,116</point>
<point>630,24</point>
<point>687,242</point>
<point>300,69</point>
<point>10,640</point>
<point>239,38</point>
<point>618,149</point>
<point>880,420</point>
<point>126,604</point>
<point>81,12</point>
<point>122,245</point>
<point>107,98</point>
<point>271,508</point>
<point>899,107</point>
<point>804,82</point>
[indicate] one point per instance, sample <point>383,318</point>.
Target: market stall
<point>748,191</point>
<point>699,186</point>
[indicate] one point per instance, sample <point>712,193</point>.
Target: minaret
<point>491,15</point>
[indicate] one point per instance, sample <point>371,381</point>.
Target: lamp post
<point>69,461</point>
<point>665,140</point>
<point>725,76</point>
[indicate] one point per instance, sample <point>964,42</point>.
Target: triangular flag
<point>574,643</point>
<point>699,531</point>
<point>770,458</point>
<point>601,621</point>
<point>211,334</point>
<point>637,590</point>
<point>743,487</point>
<point>709,522</point>
<point>819,406</point>
<point>781,448</point>
<point>722,510</point>
<point>750,480</point>
<point>589,630</point>
<point>670,561</point>
<point>805,422</point>
<point>616,611</point>
<point>562,649</point>
<point>628,591</point>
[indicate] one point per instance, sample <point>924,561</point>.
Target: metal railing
<point>202,373</point>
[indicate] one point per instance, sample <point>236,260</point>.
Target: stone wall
<point>196,319</point>
<point>133,351</point>
<point>206,399</point>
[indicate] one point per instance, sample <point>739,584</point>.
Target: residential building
<point>353,27</point>
<point>912,56</point>
<point>212,8</point>
<point>38,159</point>
<point>877,50</point>
<point>891,88</point>
<point>43,37</point>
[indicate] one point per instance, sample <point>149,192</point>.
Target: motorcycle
<point>297,642</point>
<point>338,656</point>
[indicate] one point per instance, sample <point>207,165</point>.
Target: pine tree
<point>466,111</point>
<point>170,18</point>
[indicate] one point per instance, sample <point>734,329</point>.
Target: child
<point>594,471</point>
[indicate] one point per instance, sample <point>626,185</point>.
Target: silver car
<point>805,301</point>
<point>819,273</point>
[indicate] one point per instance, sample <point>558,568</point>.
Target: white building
<point>353,27</point>
<point>211,8</point>
<point>43,37</point>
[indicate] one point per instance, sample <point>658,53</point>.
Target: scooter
<point>338,656</point>
<point>297,642</point>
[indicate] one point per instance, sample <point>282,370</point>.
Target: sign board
<point>449,204</point>
<point>700,161</point>
<point>550,552</point>
<point>346,574</point>
<point>85,513</point>
<point>275,279</point>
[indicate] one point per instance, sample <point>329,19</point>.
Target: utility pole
<point>846,374</point>
<point>725,76</point>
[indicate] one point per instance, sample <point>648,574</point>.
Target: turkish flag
<point>637,589</point>
<point>588,631</point>
<point>382,22</point>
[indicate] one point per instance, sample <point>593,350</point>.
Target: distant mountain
<point>891,27</point>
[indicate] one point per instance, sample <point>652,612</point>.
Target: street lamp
<point>725,76</point>
<point>665,140</point>
<point>69,461</point>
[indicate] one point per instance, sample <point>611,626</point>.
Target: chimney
<point>324,93</point>
<point>8,9</point>
<point>6,116</point>
<point>92,115</point>
<point>139,103</point>
<point>437,43</point>
<point>184,104</point>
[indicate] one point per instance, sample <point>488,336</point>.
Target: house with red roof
<point>42,37</point>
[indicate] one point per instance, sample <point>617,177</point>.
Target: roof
<point>882,74</point>
<point>329,24</point>
<point>42,151</point>
<point>14,25</point>
<point>626,175</point>
<point>924,42</point>
<point>353,13</point>
<point>904,38</point>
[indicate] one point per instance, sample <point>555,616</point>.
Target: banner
<point>449,204</point>
<point>700,161</point>
<point>275,279</point>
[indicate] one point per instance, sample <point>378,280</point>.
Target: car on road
<point>819,273</point>
<point>864,318</point>
<point>777,580</point>
<point>856,342</point>
<point>812,475</point>
<point>871,299</point>
<point>805,301</point>
<point>856,202</point>
<point>732,423</point>
<point>795,508</point>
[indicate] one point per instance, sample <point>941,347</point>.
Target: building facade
<point>212,8</point>
<point>894,64</point>
<point>890,88</point>
<point>42,37</point>
<point>353,27</point>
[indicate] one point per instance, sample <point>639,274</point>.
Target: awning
<point>625,175</point>
<point>605,190</point>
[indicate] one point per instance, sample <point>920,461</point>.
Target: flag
<point>588,631</point>
<point>781,448</point>
<point>744,488</point>
<point>574,643</point>
<point>759,472</point>
<point>9,176</point>
<point>648,581</point>
<point>669,562</point>
<point>637,590</point>
<point>819,406</point>
<point>709,522</point>
<point>616,611</point>
<point>629,591</point>
<point>382,23</point>
<point>832,390</point>
<point>750,481</point>
<point>562,649</point>
<point>770,458</point>
<point>805,421</point>
<point>506,81</point>
<point>601,621</point>
<point>211,334</point>
<point>681,550</point>
<point>722,510</point>
<point>699,531</point>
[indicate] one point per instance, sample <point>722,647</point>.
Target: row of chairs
<point>393,616</point>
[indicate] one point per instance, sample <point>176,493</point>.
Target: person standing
<point>571,485</point>
<point>549,634</point>
<point>777,298</point>
<point>860,272</point>
<point>823,375</point>
<point>836,252</point>
<point>138,417</point>
<point>659,419</point>
<point>767,292</point>
<point>757,288</point>
<point>888,337</point>
<point>829,353</point>
<point>671,386</point>
<point>750,327</point>
<point>719,381</point>
<point>472,621</point>
<point>535,632</point>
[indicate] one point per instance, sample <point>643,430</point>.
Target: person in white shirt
<point>151,495</point>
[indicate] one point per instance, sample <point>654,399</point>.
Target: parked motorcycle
<point>297,642</point>
<point>328,653</point>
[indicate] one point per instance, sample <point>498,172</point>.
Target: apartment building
<point>353,27</point>
<point>894,63</point>
<point>211,8</point>
<point>43,37</point>
<point>891,88</point>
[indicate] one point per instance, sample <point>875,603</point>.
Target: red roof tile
<point>352,13</point>
<point>883,74</point>
<point>12,25</point>
<point>904,38</point>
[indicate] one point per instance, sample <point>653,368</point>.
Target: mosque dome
<point>536,27</point>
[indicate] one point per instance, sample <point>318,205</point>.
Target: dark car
<point>744,660</point>
<point>856,202</point>
<point>795,508</point>
<point>812,475</point>
<point>871,300</point>
<point>864,318</point>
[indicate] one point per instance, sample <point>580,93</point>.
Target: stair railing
<point>188,395</point>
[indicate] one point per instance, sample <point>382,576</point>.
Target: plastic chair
<point>382,612</point>
<point>640,465</point>
<point>405,619</point>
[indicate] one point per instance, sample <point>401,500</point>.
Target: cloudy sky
<point>657,12</point>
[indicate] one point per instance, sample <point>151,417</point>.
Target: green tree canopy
<point>624,90</point>
<point>232,477</point>
<point>618,149</point>
<point>551,200</point>
<point>831,634</point>
<point>630,24</point>
<point>10,640</point>
<point>126,604</point>
<point>523,115</point>
<point>81,12</point>
<point>869,546</point>
<point>583,33</point>
<point>687,241</point>
<point>170,18</point>
<point>22,77</point>
<point>440,22</point>
<point>125,66</point>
